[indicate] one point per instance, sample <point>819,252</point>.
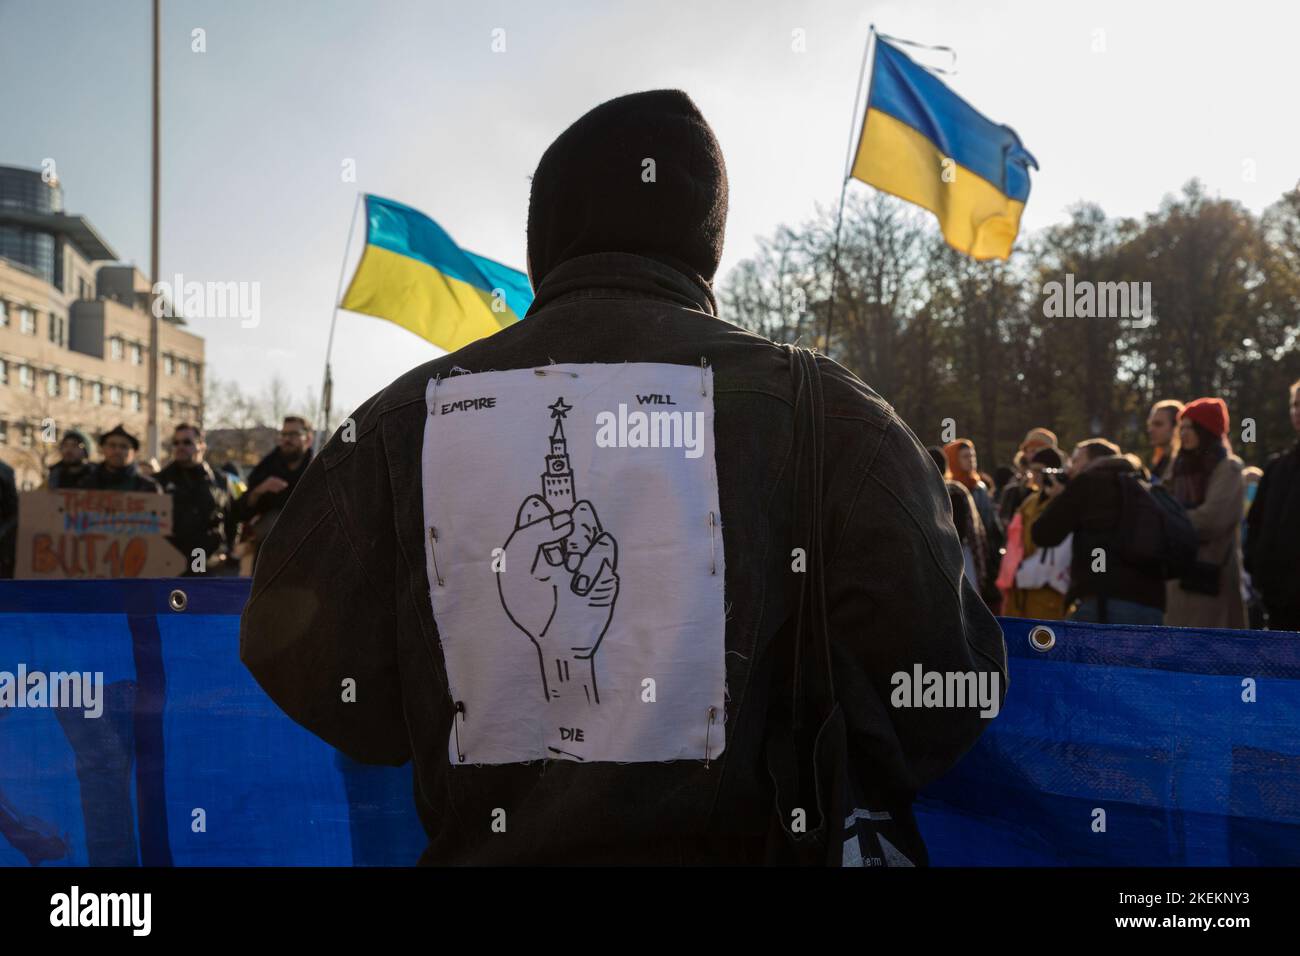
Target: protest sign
<point>95,534</point>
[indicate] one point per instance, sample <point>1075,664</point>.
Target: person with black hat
<point>74,460</point>
<point>117,472</point>
<point>580,636</point>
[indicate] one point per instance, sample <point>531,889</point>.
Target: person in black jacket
<point>272,481</point>
<point>117,472</point>
<point>1273,533</point>
<point>1089,507</point>
<point>73,464</point>
<point>201,512</point>
<point>352,587</point>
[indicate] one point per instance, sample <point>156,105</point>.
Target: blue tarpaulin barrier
<point>1118,746</point>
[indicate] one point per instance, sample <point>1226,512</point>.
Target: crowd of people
<point>1050,537</point>
<point>218,519</point>
<point>1191,537</point>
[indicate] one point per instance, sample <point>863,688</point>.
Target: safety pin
<point>433,550</point>
<point>460,709</point>
<point>543,371</point>
<point>708,731</point>
<point>703,381</point>
<point>713,550</point>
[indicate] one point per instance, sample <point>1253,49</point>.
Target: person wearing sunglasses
<point>202,525</point>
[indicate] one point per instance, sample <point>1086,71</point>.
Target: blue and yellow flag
<point>924,143</point>
<point>413,274</point>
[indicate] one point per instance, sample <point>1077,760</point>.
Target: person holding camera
<point>1041,577</point>
<point>1109,587</point>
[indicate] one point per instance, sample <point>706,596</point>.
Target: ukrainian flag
<point>913,124</point>
<point>412,274</point>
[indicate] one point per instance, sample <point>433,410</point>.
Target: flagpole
<point>327,385</point>
<point>151,430</point>
<point>848,174</point>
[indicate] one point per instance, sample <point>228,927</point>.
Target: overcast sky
<point>1121,102</point>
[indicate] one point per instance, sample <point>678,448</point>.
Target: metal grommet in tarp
<point>1042,638</point>
<point>178,600</point>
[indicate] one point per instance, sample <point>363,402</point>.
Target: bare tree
<point>276,400</point>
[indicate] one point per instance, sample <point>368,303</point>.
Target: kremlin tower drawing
<point>557,481</point>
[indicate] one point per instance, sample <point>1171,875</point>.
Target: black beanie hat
<point>590,194</point>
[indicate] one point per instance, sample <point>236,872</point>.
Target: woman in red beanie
<point>1207,480</point>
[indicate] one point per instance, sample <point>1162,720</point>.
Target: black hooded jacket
<point>342,590</point>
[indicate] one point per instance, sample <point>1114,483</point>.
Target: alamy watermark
<point>1098,300</point>
<point>947,689</point>
<point>75,908</point>
<point>656,429</point>
<point>209,300</point>
<point>74,690</point>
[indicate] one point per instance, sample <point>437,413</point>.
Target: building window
<point>136,358</point>
<point>4,372</point>
<point>115,395</point>
<point>58,329</point>
<point>27,319</point>
<point>25,433</point>
<point>74,388</point>
<point>115,348</point>
<point>169,408</point>
<point>185,368</point>
<point>96,393</point>
<point>52,384</point>
<point>4,314</point>
<point>169,365</point>
<point>135,401</point>
<point>197,370</point>
<point>4,433</point>
<point>26,378</point>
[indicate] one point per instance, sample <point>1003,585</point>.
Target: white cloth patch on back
<point>575,561</point>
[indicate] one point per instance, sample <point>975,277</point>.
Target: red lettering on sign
<point>133,559</point>
<point>44,560</point>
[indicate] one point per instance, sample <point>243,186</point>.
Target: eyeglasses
<point>291,434</point>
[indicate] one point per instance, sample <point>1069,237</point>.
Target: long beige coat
<point>1218,527</point>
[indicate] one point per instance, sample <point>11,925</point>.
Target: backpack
<point>1155,532</point>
